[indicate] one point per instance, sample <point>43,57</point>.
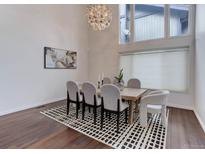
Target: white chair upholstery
<point>72,88</point>
<point>106,80</point>
<point>111,95</point>
<point>154,102</point>
<point>73,96</point>
<point>89,91</point>
<point>134,83</point>
<point>155,92</point>
<point>90,99</point>
<point>111,103</point>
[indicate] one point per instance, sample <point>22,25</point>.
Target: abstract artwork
<point>59,58</point>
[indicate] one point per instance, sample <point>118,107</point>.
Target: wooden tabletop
<point>132,94</point>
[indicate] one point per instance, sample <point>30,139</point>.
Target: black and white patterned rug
<point>130,137</point>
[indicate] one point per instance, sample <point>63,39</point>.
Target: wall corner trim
<point>200,120</point>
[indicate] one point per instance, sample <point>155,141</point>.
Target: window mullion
<point>191,24</point>
<point>166,22</point>
<point>132,23</point>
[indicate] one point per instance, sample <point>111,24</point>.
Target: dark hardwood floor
<point>184,130</point>
<point>30,129</point>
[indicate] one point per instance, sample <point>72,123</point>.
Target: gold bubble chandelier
<point>99,16</point>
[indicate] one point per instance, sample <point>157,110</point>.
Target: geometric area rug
<point>130,137</point>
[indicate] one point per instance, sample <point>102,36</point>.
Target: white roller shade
<point>164,69</point>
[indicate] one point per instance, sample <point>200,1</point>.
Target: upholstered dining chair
<point>106,80</point>
<point>134,83</point>
<point>154,102</point>
<point>73,96</point>
<point>90,99</point>
<point>111,103</point>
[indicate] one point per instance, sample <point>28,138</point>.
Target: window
<point>179,19</point>
<point>125,23</point>
<point>142,22</point>
<point>149,22</point>
<point>162,69</point>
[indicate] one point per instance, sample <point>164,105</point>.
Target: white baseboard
<point>181,106</point>
<point>199,119</point>
<point>31,106</point>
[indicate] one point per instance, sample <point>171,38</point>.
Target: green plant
<point>120,76</point>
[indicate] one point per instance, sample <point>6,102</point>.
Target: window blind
<point>161,69</point>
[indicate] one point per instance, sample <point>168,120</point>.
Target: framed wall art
<point>59,58</point>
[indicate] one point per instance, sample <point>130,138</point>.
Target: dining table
<point>132,96</point>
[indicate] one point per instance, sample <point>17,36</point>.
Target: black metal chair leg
<point>118,114</point>
<point>89,109</point>
<point>68,103</point>
<point>77,111</point>
<point>106,114</point>
<point>109,115</point>
<point>68,106</point>
<point>83,112</point>
<point>118,120</point>
<point>95,115</point>
<point>102,117</point>
<point>126,115</point>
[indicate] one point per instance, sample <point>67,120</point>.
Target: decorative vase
<point>119,84</point>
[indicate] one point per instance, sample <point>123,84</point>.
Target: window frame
<point>119,32</point>
<point>135,40</point>
<point>190,23</point>
<point>166,26</point>
<point>131,25</point>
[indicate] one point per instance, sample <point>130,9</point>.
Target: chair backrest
<point>72,89</point>
<point>89,91</point>
<point>157,98</point>
<point>110,94</point>
<point>134,83</point>
<point>106,80</point>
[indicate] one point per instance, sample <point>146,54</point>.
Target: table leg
<point>136,105</point>
<point>131,110</point>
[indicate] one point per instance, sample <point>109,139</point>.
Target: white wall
<point>103,49</point>
<point>104,56</point>
<point>200,64</point>
<point>24,31</point>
